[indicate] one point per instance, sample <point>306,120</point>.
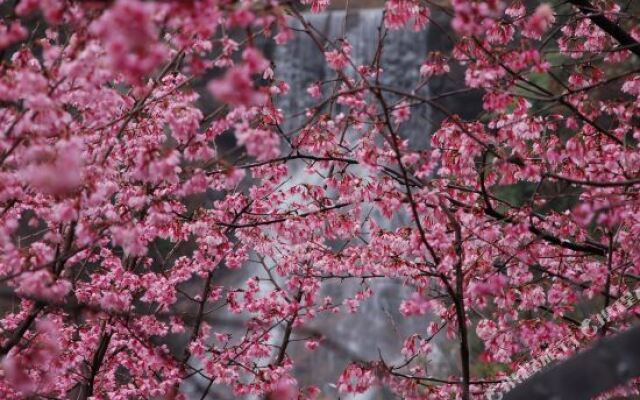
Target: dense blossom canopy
<point>119,206</point>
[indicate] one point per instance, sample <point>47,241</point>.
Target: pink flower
<point>352,305</point>
<point>285,389</point>
<point>317,6</point>
<point>242,18</point>
<point>236,88</point>
<point>434,65</point>
<point>414,345</point>
<point>339,58</point>
<point>53,10</point>
<point>473,16</point>
<point>41,285</point>
<point>131,38</point>
<point>315,90</point>
<point>356,379</point>
<point>260,143</point>
<point>398,13</point>
<point>54,169</point>
<point>36,366</point>
<point>632,86</point>
<point>254,61</point>
<point>516,10</point>
<point>131,238</point>
<point>312,344</point>
<point>539,22</point>
<point>489,287</point>
<point>13,33</point>
<point>401,113</point>
<point>415,305</point>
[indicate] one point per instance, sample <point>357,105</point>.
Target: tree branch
<point>610,27</point>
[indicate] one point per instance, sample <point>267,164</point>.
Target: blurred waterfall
<point>300,63</point>
<point>378,327</point>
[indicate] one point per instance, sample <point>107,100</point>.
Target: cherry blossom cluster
<point>121,209</point>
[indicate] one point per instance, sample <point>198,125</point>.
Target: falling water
<point>377,328</point>
<point>300,63</point>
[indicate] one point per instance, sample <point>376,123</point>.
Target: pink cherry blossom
<point>339,58</point>
<point>434,65</point>
<point>315,90</point>
<point>539,21</point>
<point>131,38</point>
<point>317,5</point>
<point>237,88</point>
<point>401,113</point>
<point>185,213</point>
<point>12,33</point>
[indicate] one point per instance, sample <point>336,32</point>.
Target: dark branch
<point>610,27</point>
